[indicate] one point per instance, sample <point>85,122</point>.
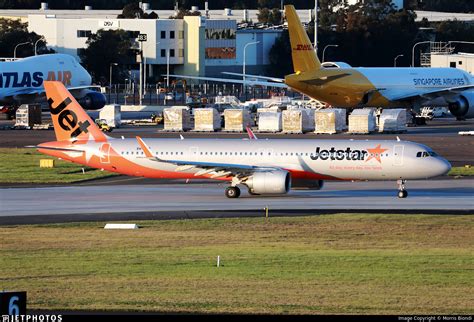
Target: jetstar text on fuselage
<point>33,79</point>
<point>347,154</point>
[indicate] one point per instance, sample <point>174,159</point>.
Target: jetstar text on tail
<point>33,79</point>
<point>67,119</point>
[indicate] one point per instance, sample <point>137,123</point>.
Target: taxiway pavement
<point>200,200</point>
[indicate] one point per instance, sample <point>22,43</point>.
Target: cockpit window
<point>425,154</point>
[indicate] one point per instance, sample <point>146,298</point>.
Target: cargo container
<point>177,119</point>
<point>362,121</point>
<point>236,120</point>
<point>330,121</point>
<point>393,120</point>
<point>206,119</point>
<point>269,122</point>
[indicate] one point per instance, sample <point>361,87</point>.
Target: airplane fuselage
<point>21,81</point>
<point>376,86</point>
<point>304,159</point>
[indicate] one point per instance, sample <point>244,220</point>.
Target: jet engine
<point>269,182</point>
<point>92,100</point>
<point>463,107</point>
<point>307,184</point>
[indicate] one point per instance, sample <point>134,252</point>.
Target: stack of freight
<point>176,119</point>
<point>393,120</point>
<point>236,120</point>
<point>269,122</point>
<point>111,114</point>
<point>330,121</point>
<point>362,121</point>
<point>28,115</point>
<point>298,120</point>
<point>206,119</point>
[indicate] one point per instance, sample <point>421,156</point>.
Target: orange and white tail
<point>70,121</point>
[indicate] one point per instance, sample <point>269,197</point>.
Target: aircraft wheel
<point>402,194</point>
<point>232,192</point>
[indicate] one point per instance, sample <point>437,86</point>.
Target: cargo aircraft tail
<point>302,51</point>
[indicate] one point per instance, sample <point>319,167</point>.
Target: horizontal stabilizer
<point>53,148</point>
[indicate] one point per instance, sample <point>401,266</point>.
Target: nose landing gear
<point>402,193</point>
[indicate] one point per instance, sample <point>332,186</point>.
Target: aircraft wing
<point>40,90</point>
<point>273,79</point>
<point>325,79</point>
<point>426,95</point>
<point>236,81</point>
<point>217,170</point>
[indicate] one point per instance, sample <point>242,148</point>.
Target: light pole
<point>324,50</point>
<point>110,83</point>
<point>413,51</point>
<point>167,69</point>
<point>395,60</point>
<point>144,59</point>
<point>316,27</point>
<point>36,42</point>
<point>245,48</point>
<point>23,43</point>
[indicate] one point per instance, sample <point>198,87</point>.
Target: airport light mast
<point>245,48</point>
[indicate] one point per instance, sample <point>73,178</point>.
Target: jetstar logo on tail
<point>67,119</point>
<point>349,154</point>
<point>303,47</point>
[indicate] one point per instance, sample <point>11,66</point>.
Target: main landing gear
<point>402,193</point>
<point>232,192</point>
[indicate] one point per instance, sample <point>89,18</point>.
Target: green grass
<point>462,171</point>
<point>22,166</point>
<point>387,264</point>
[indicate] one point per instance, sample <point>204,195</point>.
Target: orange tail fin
<point>70,121</point>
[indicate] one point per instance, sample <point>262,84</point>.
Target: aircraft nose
<point>442,166</point>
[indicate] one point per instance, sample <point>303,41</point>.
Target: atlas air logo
<point>349,154</point>
<point>303,47</point>
<point>67,119</point>
<point>33,79</point>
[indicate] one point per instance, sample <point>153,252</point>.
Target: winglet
<point>252,136</point>
<point>145,149</point>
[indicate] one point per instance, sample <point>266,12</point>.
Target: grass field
<point>397,264</point>
<point>461,171</point>
<point>22,166</point>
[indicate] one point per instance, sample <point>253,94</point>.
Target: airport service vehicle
<point>264,167</point>
<point>21,81</point>
<point>340,85</point>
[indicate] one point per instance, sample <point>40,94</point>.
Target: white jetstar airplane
<point>21,81</point>
<point>264,167</point>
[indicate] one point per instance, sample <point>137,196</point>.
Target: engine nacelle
<point>269,182</point>
<point>92,101</point>
<point>307,184</point>
<point>463,107</point>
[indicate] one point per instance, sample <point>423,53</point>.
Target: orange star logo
<point>375,153</point>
